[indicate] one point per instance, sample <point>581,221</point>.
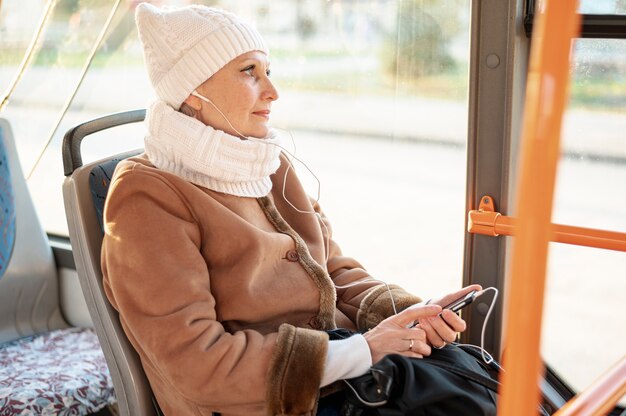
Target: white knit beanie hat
<point>183,47</point>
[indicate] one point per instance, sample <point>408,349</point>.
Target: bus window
<point>374,95</point>
<point>602,7</point>
<point>49,82</point>
<point>17,24</point>
<point>585,313</point>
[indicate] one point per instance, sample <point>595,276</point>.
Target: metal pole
<point>546,93</point>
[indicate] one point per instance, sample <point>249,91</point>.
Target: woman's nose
<point>270,92</point>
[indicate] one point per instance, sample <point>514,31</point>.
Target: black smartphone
<point>458,304</point>
<point>463,301</point>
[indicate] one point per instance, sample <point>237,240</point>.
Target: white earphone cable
<point>486,356</point>
<point>290,164</point>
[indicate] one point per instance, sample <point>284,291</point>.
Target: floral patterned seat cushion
<point>62,372</point>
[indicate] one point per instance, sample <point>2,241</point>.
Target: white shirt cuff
<point>346,358</point>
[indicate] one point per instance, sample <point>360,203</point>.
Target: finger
<point>412,354</point>
<point>469,288</point>
<point>444,332</point>
<point>417,334</point>
<point>431,334</point>
<point>458,294</point>
<point>395,344</point>
<point>421,348</point>
<point>453,320</point>
<point>417,346</point>
<point>414,313</point>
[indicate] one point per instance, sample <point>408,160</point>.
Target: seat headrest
<point>99,181</point>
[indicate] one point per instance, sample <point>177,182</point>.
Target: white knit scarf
<point>208,157</point>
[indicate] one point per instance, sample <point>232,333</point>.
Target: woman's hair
<point>187,110</point>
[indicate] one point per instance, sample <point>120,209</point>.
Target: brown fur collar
<point>377,305</point>
<point>299,351</point>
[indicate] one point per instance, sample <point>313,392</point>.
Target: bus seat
<point>46,366</point>
<point>84,193</point>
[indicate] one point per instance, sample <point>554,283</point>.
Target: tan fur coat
<point>223,297</point>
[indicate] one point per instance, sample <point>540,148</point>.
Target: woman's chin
<point>260,133</point>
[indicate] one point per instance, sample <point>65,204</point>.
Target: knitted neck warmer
<point>208,157</point>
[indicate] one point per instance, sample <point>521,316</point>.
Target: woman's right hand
<point>392,336</point>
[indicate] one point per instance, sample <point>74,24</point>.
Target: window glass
<point>585,312</point>
<point>17,25</point>
<point>116,81</point>
<point>54,71</point>
<point>46,85</point>
<point>602,6</point>
<point>373,94</point>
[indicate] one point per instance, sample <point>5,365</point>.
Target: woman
<point>223,270</point>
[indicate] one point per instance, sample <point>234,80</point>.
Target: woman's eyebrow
<point>255,61</point>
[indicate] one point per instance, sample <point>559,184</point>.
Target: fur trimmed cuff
<point>377,306</point>
<point>296,371</point>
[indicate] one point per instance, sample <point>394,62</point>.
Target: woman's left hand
<point>443,328</point>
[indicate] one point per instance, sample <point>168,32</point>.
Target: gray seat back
<point>29,285</point>
<point>131,386</point>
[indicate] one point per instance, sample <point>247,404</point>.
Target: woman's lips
<point>263,113</point>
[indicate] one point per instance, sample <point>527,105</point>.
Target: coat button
<point>292,255</point>
<point>315,323</point>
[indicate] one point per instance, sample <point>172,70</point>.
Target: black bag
<point>451,381</point>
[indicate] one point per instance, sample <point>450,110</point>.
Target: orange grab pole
<point>487,221</point>
<point>602,396</point>
<point>543,112</point>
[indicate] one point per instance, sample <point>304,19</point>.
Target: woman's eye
<point>249,70</point>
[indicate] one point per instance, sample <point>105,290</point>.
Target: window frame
<point>593,26</point>
<point>496,95</point>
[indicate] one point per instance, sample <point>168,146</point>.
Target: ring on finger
<point>440,347</point>
<point>411,345</point>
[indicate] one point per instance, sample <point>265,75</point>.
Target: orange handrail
<point>485,220</point>
<point>602,396</point>
<point>543,112</point>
